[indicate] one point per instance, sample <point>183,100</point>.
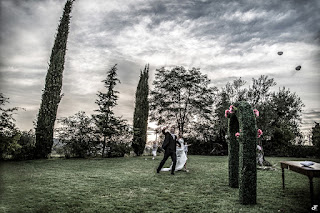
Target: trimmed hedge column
<point>243,119</point>
<point>233,151</point>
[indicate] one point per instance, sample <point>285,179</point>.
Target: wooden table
<point>311,172</point>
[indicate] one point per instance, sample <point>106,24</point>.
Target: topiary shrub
<point>233,152</point>
<point>242,130</point>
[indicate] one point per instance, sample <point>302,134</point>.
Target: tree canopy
<point>180,96</point>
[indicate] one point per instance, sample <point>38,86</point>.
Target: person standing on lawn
<point>169,145</point>
<point>154,150</point>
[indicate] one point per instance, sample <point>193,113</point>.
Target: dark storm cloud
<point>226,39</point>
<point>235,21</point>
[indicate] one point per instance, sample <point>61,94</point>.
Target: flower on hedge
<point>256,112</point>
<point>259,147</point>
<point>231,109</point>
<point>237,134</point>
<point>259,133</point>
<point>226,113</point>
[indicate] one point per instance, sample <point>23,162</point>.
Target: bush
<point>201,147</point>
<point>198,147</point>
<point>298,151</point>
<point>78,149</point>
<point>118,149</point>
<point>9,144</point>
<point>27,143</point>
<point>17,145</point>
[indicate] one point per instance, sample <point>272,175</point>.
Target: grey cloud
<point>309,117</point>
<point>311,114</point>
<point>220,37</point>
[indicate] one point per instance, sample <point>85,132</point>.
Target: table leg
<point>282,178</point>
<point>311,190</point>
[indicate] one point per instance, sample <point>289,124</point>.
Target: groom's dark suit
<point>169,145</point>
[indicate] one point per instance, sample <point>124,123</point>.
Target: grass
<point>131,185</point>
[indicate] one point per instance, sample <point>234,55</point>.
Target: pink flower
<point>259,133</point>
<point>226,113</point>
<point>231,109</point>
<point>256,112</point>
<point>259,147</point>
<point>237,134</point>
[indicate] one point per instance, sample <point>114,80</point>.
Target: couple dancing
<point>178,155</point>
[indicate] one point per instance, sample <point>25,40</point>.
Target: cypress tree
<point>52,92</point>
<point>141,113</point>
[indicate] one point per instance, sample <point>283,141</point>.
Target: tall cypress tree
<point>52,92</point>
<point>107,123</point>
<point>141,112</point>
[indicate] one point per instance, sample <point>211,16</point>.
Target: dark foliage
<point>52,92</point>
<point>107,124</point>
<point>233,151</point>
<point>77,136</point>
<point>141,112</point>
<point>118,149</point>
<point>316,137</point>
<point>27,143</point>
<point>243,121</point>
<point>9,134</point>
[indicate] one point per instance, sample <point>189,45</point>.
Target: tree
<point>280,112</point>
<point>221,123</point>
<point>259,93</point>
<point>120,143</point>
<point>235,91</point>
<point>260,97</point>
<point>141,112</point>
<point>9,134</point>
<point>52,92</point>
<point>6,116</point>
<point>229,94</point>
<point>180,96</point>
<point>283,117</point>
<point>316,136</point>
<point>108,125</point>
<point>287,107</point>
<point>27,140</point>
<point>201,136</point>
<point>77,135</point>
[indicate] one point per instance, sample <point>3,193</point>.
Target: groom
<point>169,145</point>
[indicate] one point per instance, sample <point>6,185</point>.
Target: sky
<point>226,39</point>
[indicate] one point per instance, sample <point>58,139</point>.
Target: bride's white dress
<point>181,158</point>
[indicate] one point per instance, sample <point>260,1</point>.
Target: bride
<point>181,157</point>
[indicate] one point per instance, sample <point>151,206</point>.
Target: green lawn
<point>131,184</point>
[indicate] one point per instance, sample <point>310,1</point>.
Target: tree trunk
<point>104,146</point>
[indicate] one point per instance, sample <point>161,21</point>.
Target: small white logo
<point>314,208</point>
